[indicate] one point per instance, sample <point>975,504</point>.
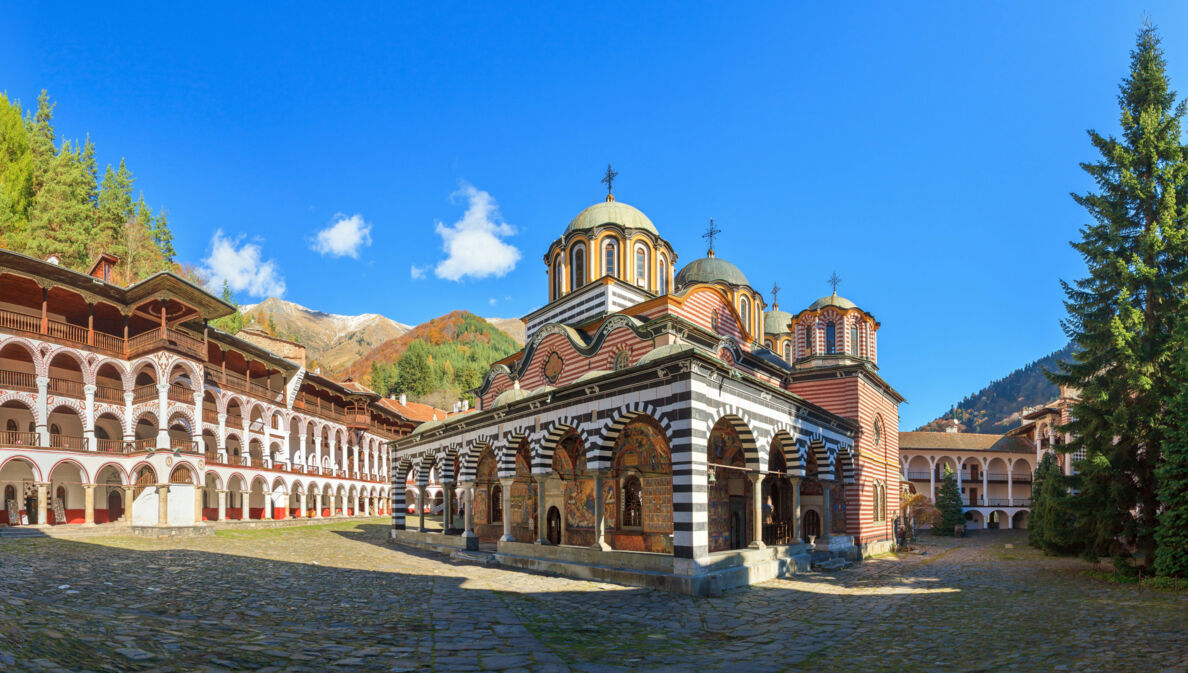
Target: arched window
<point>810,332</point>
<point>54,429</point>
<point>11,426</point>
<point>641,266</point>
<point>788,351</point>
<point>878,433</point>
<point>579,268</point>
<point>496,504</point>
<point>557,277</point>
<point>611,259</point>
<point>632,502</point>
<point>854,340</point>
<point>662,275</point>
<point>744,312</point>
<point>830,338</point>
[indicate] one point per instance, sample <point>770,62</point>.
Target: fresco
<point>579,503</point>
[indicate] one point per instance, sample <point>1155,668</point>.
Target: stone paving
<point>337,597</point>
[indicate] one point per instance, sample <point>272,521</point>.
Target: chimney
<point>466,405</point>
<point>954,427</point>
<point>403,399</point>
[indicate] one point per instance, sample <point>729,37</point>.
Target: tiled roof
<point>414,410</point>
<point>963,441</point>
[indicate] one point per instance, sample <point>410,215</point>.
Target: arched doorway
<point>642,520</point>
<point>115,505</point>
<point>812,524</point>
<point>729,489</point>
<point>554,526</point>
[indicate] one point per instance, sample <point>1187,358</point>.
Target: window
<point>854,340</point>
<point>632,502</point>
<point>830,338</point>
<point>611,256</point>
<point>641,266</point>
<point>788,351</point>
<point>557,277</point>
<point>11,426</point>
<point>496,504</point>
<point>579,268</point>
<point>809,333</point>
<point>54,429</point>
<point>662,276</point>
<point>878,433</point>
<point>744,311</point>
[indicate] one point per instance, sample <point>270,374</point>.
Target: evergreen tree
<point>1171,537</point>
<point>1122,313</point>
<point>116,209</point>
<point>415,370</point>
<point>948,503</point>
<point>1051,526</point>
<point>16,176</point>
<point>60,218</point>
<point>40,131</point>
<point>163,238</point>
<point>229,323</point>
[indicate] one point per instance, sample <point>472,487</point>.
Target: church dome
<point>776,321</point>
<point>832,300</point>
<point>710,270</point>
<point>611,212</point>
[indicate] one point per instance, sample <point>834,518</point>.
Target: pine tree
<point>948,503</point>
<point>1171,555</point>
<point>61,215</point>
<point>230,323</point>
<point>163,238</point>
<point>16,176</point>
<point>1051,526</point>
<point>1121,314</point>
<point>116,209</point>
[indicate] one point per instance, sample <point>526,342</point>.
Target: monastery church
<point>664,427</point>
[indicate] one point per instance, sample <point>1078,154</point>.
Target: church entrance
<point>738,522</point>
<point>554,526</point>
<point>812,524</point>
<point>115,504</point>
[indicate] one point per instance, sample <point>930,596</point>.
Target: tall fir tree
<point>16,176</point>
<point>1122,313</point>
<point>230,323</point>
<point>1171,555</point>
<point>163,238</point>
<point>61,216</point>
<point>115,210</point>
<point>949,505</point>
<point>1051,523</point>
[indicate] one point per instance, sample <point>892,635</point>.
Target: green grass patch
<point>1160,583</point>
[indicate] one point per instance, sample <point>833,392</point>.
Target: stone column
<point>468,519</point>
<point>43,438</point>
<point>506,493</point>
<point>827,517</point>
<point>245,505</point>
<point>932,482</point>
<point>221,439</point>
<point>89,423</point>
<point>267,504</point>
<point>797,533</point>
<point>301,512</point>
<point>318,505</point>
<point>355,461</point>
<point>447,516</point>
<point>198,504</point>
<point>985,487</point>
<point>42,509</point>
<point>162,504</point>
<point>1010,483</point>
<point>89,503</point>
<point>599,515</point>
<point>757,510</point>
<point>542,526</point>
<point>162,418</point>
<point>222,505</point>
<point>421,507</point>
<point>318,452</point>
<point>128,498</point>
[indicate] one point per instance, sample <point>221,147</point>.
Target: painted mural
<point>481,506</point>
<point>838,509</point>
<point>725,448</point>
<point>579,503</point>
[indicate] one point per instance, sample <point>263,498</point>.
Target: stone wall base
<point>244,524</point>
<point>197,530</point>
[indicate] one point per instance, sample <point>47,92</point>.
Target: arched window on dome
<point>641,266</point>
<point>744,311</point>
<point>854,340</point>
<point>662,275</point>
<point>830,338</point>
<point>557,277</point>
<point>611,257</point>
<point>578,264</point>
<point>788,351</point>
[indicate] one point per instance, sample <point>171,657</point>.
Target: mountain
<point>513,327</point>
<point>996,408</point>
<point>435,362</point>
<point>332,341</point>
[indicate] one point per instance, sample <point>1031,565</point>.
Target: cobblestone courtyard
<point>337,597</point>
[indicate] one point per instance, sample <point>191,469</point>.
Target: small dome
<point>612,212</point>
<point>710,270</point>
<point>832,300</point>
<point>776,321</point>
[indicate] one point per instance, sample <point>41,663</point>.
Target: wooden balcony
<point>80,335</point>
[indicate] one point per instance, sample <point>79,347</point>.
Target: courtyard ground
<point>338,597</point>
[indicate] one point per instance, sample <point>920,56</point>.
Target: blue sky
<point>924,152</point>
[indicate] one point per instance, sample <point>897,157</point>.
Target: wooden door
<point>115,504</point>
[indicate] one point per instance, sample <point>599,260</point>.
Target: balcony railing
<point>317,406</point>
<point>65,387</point>
<point>113,446</point>
<point>186,445</point>
<point>12,438</point>
<point>919,476</point>
<point>110,343</point>
<point>10,380</point>
<point>145,393</point>
<point>176,339</point>
<point>109,394</point>
<point>180,393</point>
<point>144,444</point>
<point>210,415</point>
<point>68,442</point>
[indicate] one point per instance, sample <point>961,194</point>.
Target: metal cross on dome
<point>834,280</point>
<point>711,233</point>
<point>775,293</point>
<point>609,179</point>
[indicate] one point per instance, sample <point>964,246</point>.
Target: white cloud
<point>343,237</point>
<point>241,267</point>
<point>491,301</point>
<point>474,245</point>
<point>417,272</point>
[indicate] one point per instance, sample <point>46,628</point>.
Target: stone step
<point>831,565</point>
<point>21,532</point>
<point>482,558</point>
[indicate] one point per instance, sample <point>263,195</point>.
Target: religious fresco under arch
<point>523,498</point>
<point>642,452</point>
<point>725,448</point>
<point>569,462</point>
